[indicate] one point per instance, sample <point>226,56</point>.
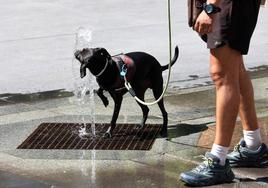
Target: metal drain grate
<point>66,136</point>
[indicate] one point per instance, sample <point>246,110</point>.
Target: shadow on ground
<point>175,131</point>
<point>33,97</point>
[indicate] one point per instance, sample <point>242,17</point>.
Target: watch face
<point>209,8</point>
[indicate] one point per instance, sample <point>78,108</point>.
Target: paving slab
<point>8,180</point>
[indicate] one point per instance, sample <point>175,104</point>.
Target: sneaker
<point>244,157</point>
<point>210,172</point>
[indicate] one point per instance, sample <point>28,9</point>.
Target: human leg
<point>247,110</point>
<point>231,33</point>
<point>250,152</point>
<point>224,69</point>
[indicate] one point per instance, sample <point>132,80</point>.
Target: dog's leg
<point>163,132</point>
<point>145,109</point>
<point>157,93</point>
<point>103,98</point>
<point>117,105</point>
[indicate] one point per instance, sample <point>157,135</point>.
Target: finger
<point>196,26</point>
<point>202,29</point>
<point>206,29</point>
<point>209,29</point>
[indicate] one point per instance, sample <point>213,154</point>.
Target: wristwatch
<point>211,9</point>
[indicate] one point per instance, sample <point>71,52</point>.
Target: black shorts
<point>234,25</point>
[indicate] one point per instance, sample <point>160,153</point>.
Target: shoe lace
<point>237,147</point>
<point>206,163</point>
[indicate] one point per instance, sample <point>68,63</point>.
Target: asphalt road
<point>37,40</point>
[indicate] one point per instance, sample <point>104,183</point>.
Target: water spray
<point>84,87</point>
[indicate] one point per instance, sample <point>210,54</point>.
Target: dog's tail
<point>174,59</point>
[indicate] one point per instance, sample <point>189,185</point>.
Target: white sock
<point>253,139</point>
<point>220,152</point>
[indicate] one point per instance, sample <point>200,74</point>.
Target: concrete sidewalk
<point>191,130</point>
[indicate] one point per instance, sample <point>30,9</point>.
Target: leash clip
<point>123,71</point>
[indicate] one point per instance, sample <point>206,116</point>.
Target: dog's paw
<point>164,133</point>
<point>105,102</point>
<point>139,126</point>
<point>107,135</point>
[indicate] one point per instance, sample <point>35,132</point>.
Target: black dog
<point>141,70</point>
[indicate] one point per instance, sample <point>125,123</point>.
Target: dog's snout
<point>77,54</point>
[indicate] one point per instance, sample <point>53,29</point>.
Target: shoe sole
<point>250,164</point>
<point>199,183</point>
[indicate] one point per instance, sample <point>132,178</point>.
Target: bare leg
<point>224,69</point>
<point>247,110</point>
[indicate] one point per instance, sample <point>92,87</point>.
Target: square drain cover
<point>66,136</point>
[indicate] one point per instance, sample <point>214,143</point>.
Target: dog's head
<point>95,59</point>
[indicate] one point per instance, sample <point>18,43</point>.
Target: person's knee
<point>218,77</point>
<point>224,66</point>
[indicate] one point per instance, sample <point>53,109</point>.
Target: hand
<point>204,23</point>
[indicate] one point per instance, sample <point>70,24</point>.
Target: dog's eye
<point>101,53</point>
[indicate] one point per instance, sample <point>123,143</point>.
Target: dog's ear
<point>83,67</point>
<point>104,52</point>
<point>83,71</point>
